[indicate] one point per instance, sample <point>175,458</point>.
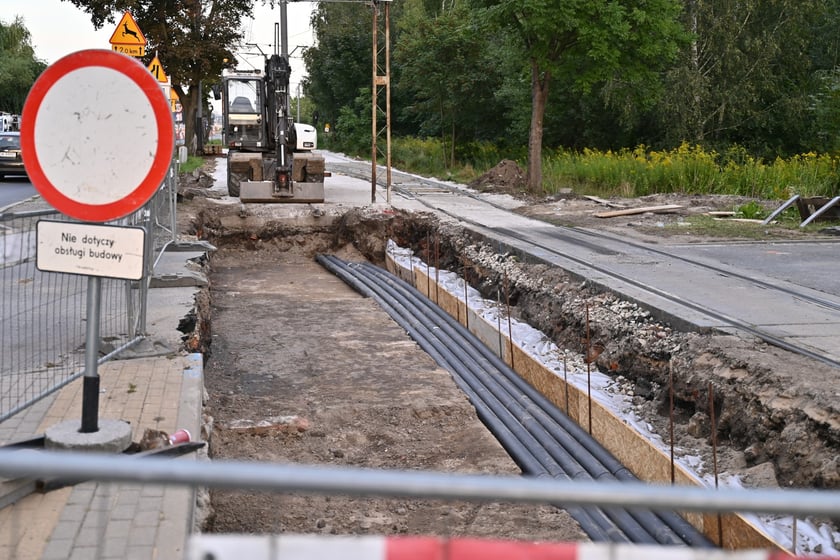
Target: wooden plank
<point>596,199</point>
<point>742,220</point>
<point>603,201</point>
<point>642,210</point>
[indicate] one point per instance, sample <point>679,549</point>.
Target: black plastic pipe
<point>621,517</point>
<point>505,404</point>
<point>592,521</point>
<point>475,360</point>
<point>602,458</point>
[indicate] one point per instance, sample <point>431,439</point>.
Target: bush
<point>686,169</point>
<point>691,170</point>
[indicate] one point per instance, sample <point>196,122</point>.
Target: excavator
<point>270,157</point>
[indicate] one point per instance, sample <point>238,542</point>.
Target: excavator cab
<point>244,121</point>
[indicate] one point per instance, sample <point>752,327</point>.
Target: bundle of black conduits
<point>538,436</point>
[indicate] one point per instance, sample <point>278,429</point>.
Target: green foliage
<point>339,66</point>
<point>351,132</point>
<point>18,66</point>
<point>751,210</point>
<point>746,77</point>
<point>193,39</point>
<point>454,101</point>
<point>423,156</point>
<point>629,173</point>
<point>824,110</point>
<point>426,156</point>
<point>753,79</point>
<point>192,163</point>
<point>622,44</point>
<point>691,170</point>
<point>304,107</point>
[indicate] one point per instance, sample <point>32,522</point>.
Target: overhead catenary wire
<point>503,398</point>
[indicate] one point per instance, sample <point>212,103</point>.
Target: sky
<point>59,28</point>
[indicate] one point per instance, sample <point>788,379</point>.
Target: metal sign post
<point>90,389</point>
<point>74,118</point>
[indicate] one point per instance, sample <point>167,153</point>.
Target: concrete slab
<point>113,436</point>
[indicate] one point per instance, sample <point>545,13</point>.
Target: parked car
<point>11,162</point>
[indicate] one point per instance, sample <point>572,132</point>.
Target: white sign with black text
<point>92,250</point>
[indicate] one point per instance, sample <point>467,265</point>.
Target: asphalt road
<point>15,189</point>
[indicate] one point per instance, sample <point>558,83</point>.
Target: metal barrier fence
<point>139,472</point>
<point>42,314</point>
<point>332,480</point>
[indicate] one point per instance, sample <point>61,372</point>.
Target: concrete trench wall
<point>636,452</point>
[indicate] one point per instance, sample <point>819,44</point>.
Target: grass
<point>690,170</point>
<point>751,211</point>
<point>784,226</point>
<point>709,227</point>
<point>638,172</point>
<point>192,163</point>
<point>628,173</point>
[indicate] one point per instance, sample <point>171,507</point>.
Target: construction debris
<point>272,424</point>
<point>643,210</point>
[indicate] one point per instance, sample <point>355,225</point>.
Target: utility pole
<point>381,81</point>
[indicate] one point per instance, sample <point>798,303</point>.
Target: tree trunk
<point>189,103</point>
<point>539,96</point>
<point>452,147</point>
<point>443,132</point>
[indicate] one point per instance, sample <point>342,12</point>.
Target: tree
<point>339,65</point>
<point>194,40</point>
<point>18,66</point>
<point>446,70</point>
<point>584,42</point>
<point>746,75</point>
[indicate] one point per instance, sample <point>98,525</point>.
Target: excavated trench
<point>768,427</point>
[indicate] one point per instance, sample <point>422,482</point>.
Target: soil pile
<point>506,177</point>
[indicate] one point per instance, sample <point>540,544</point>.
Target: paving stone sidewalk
<point>108,520</point>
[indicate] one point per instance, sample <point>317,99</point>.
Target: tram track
<point>729,320</point>
<point>551,244</point>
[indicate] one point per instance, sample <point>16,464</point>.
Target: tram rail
<point>554,241</point>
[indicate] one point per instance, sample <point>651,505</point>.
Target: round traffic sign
<point>97,135</point>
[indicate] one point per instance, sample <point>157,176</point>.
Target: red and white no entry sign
<point>97,135</point>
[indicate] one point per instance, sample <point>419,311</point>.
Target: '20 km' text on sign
<point>130,50</point>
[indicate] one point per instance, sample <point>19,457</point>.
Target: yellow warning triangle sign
<point>127,32</point>
<point>156,68</point>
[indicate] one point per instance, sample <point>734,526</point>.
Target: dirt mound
<point>506,177</point>
<point>198,183</point>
